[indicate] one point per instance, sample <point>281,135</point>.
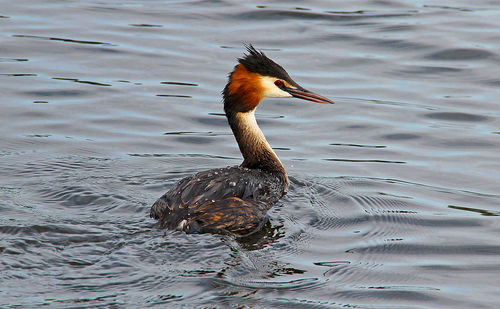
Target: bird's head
<point>257,77</point>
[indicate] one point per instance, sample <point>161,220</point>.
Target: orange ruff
<point>246,85</point>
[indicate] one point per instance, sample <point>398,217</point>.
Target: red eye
<point>278,83</point>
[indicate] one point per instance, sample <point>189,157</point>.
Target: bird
<point>235,199</point>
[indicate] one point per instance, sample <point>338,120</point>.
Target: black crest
<point>257,62</point>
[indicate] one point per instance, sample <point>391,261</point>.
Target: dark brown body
<point>232,199</point>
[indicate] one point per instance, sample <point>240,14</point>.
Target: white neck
<point>256,151</point>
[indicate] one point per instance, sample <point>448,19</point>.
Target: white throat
<point>252,133</point>
<point>250,126</point>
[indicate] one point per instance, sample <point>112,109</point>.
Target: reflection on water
<point>394,192</point>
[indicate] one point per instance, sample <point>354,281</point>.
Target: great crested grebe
<point>236,199</point>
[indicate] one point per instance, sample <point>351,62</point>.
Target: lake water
<point>395,190</point>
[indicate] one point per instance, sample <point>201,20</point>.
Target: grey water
<point>395,190</point>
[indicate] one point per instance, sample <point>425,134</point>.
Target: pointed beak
<point>304,94</point>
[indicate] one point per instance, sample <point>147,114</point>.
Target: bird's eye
<point>278,83</point>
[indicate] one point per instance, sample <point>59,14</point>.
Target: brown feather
<point>231,199</point>
<point>246,84</point>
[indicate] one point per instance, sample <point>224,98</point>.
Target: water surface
<point>395,189</point>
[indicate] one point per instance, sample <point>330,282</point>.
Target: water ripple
<point>62,39</point>
<point>461,54</point>
<point>454,116</point>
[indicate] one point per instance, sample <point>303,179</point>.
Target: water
<point>395,189</point>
